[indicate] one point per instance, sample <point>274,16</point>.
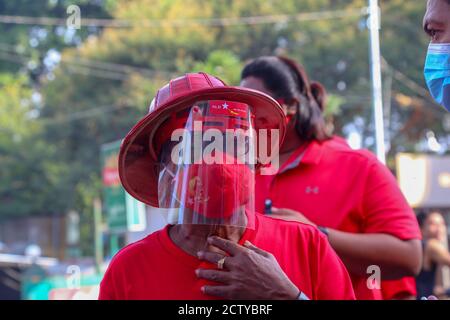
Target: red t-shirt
<point>344,189</point>
<point>399,289</point>
<point>155,268</point>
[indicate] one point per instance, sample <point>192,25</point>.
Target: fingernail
<point>247,243</point>
<point>210,239</point>
<point>197,272</point>
<point>202,289</point>
<point>200,254</point>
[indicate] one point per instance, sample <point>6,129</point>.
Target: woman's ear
<point>292,107</point>
<point>319,93</point>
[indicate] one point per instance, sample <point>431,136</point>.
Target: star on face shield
<point>207,164</point>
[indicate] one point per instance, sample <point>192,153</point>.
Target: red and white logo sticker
<point>228,108</point>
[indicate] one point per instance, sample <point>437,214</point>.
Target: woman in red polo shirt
<point>218,240</point>
<point>348,194</point>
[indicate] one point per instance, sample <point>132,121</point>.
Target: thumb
<point>254,248</point>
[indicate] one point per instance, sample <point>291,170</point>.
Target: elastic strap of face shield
<point>164,172</point>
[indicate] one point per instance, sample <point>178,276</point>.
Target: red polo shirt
<point>337,187</point>
<point>155,268</point>
<point>399,289</point>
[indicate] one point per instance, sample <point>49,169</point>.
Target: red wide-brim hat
<point>139,166</point>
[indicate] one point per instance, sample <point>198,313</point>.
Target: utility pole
<point>377,93</point>
<point>98,241</point>
<point>387,105</point>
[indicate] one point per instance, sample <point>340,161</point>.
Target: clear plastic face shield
<point>207,164</point>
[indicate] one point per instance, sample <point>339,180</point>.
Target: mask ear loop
<point>168,199</point>
<point>289,106</point>
<point>162,197</point>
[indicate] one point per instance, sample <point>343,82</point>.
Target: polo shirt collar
<point>311,155</point>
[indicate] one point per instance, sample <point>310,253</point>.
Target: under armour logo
<point>314,190</point>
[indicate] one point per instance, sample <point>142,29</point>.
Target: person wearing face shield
<point>436,24</point>
<point>194,154</point>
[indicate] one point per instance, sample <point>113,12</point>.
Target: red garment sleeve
<point>332,281</point>
<point>107,291</point>
<point>384,207</point>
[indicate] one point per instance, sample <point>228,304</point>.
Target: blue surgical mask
<point>437,73</point>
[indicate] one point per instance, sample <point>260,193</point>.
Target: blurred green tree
<point>30,175</point>
<point>99,81</point>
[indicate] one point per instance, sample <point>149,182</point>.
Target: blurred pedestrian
<point>436,24</point>
<point>219,247</point>
<point>435,253</point>
<point>348,194</point>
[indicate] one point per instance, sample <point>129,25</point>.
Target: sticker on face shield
<point>228,108</point>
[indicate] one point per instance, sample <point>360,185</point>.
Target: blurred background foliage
<point>64,92</point>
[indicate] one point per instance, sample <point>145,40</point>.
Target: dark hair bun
<point>319,93</point>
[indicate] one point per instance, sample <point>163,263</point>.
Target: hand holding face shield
<point>196,153</point>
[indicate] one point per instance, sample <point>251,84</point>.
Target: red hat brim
<point>139,170</point>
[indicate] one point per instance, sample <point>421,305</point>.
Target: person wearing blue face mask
<point>436,24</point>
